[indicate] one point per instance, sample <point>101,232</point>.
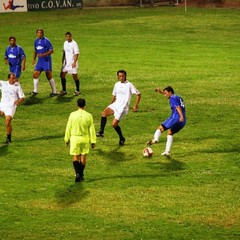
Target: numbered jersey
<point>176,101</point>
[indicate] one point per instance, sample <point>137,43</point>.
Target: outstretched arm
<point>159,90</point>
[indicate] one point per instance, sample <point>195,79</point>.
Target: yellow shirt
<point>80,123</point>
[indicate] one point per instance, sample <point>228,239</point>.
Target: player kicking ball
<point>174,123</point>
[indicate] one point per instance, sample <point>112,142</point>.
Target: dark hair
<point>68,33</point>
<point>41,30</point>
<point>11,74</point>
<point>122,71</point>
<point>169,89</point>
<point>12,38</point>
<point>81,102</point>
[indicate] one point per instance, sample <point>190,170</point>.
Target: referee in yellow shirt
<point>80,133</point>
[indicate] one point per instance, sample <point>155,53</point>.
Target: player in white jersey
<point>122,93</point>
<point>70,63</point>
<point>12,96</point>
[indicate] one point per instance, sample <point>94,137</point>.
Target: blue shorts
<point>16,70</point>
<point>43,66</point>
<point>173,124</point>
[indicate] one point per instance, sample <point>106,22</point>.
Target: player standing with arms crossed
<point>174,123</point>
<point>43,49</point>
<point>70,63</point>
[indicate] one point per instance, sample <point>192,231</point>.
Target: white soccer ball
<point>147,152</point>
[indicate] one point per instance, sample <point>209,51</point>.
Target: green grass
<point>193,195</point>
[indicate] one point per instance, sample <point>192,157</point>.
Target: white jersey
<point>10,93</point>
<point>70,49</point>
<point>123,93</point>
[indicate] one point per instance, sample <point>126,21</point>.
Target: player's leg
<point>76,165</point>
<point>117,128</point>
<point>77,83</point>
<point>8,123</point>
<point>51,82</point>
<point>156,135</point>
<point>63,82</point>
<point>106,112</point>
<point>36,74</point>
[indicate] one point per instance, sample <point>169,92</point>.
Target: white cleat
<point>166,154</point>
<point>150,142</point>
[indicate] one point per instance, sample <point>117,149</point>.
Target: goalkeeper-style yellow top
<point>80,123</point>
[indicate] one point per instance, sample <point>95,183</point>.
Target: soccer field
<point>192,195</point>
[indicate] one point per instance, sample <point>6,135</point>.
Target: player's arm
<point>159,90</point>
<point>113,99</point>
<point>34,57</point>
<point>75,58</point>
<point>179,110</point>
<point>63,58</point>
<point>49,52</point>
<point>19,101</point>
<point>24,63</point>
<point>138,98</point>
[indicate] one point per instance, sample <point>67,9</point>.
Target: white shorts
<point>119,112</point>
<point>8,110</point>
<point>69,69</point>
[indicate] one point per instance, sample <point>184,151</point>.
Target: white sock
<point>52,84</point>
<point>157,135</point>
<point>35,85</point>
<point>169,143</point>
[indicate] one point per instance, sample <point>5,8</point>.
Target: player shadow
<point>43,138</point>
<point>63,99</point>
<point>70,195</point>
<point>4,150</point>
<point>32,100</point>
<point>115,156</point>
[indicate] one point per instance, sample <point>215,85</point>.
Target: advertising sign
<point>39,5</point>
<point>13,6</point>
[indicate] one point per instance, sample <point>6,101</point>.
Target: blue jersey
<point>176,101</point>
<point>15,55</point>
<point>43,45</point>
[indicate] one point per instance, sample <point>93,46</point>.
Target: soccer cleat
<point>100,134</point>
<point>78,178</point>
<point>121,142</point>
<point>76,93</point>
<point>166,154</point>
<point>53,94</point>
<point>62,93</point>
<point>150,142</point>
<point>8,141</point>
<point>33,93</point>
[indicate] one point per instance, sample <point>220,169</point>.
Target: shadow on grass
<point>70,195</point>
<point>43,138</point>
<point>63,99</point>
<point>32,100</point>
<point>114,155</point>
<point>4,150</point>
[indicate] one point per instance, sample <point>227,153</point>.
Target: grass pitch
<point>193,195</point>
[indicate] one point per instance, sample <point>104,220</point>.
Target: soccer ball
<point>147,152</point>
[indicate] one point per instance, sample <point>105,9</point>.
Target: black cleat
<point>8,141</point>
<point>99,134</point>
<point>121,142</point>
<point>62,93</point>
<point>78,178</point>
<point>53,94</point>
<point>33,93</point>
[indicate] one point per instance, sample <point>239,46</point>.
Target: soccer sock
<point>77,83</point>
<point>119,131</point>
<point>169,142</point>
<point>157,135</point>
<point>76,166</point>
<point>52,84</point>
<point>9,136</point>
<point>81,169</point>
<point>103,124</point>
<point>35,85</point>
<point>63,81</point>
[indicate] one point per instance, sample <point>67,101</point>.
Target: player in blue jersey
<point>43,50</point>
<point>15,57</point>
<point>174,123</point>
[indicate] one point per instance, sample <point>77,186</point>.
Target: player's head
<point>12,41</point>
<point>168,91</point>
<point>12,78</point>
<point>40,33</point>
<point>68,36</point>
<point>122,75</point>
<point>81,102</point>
